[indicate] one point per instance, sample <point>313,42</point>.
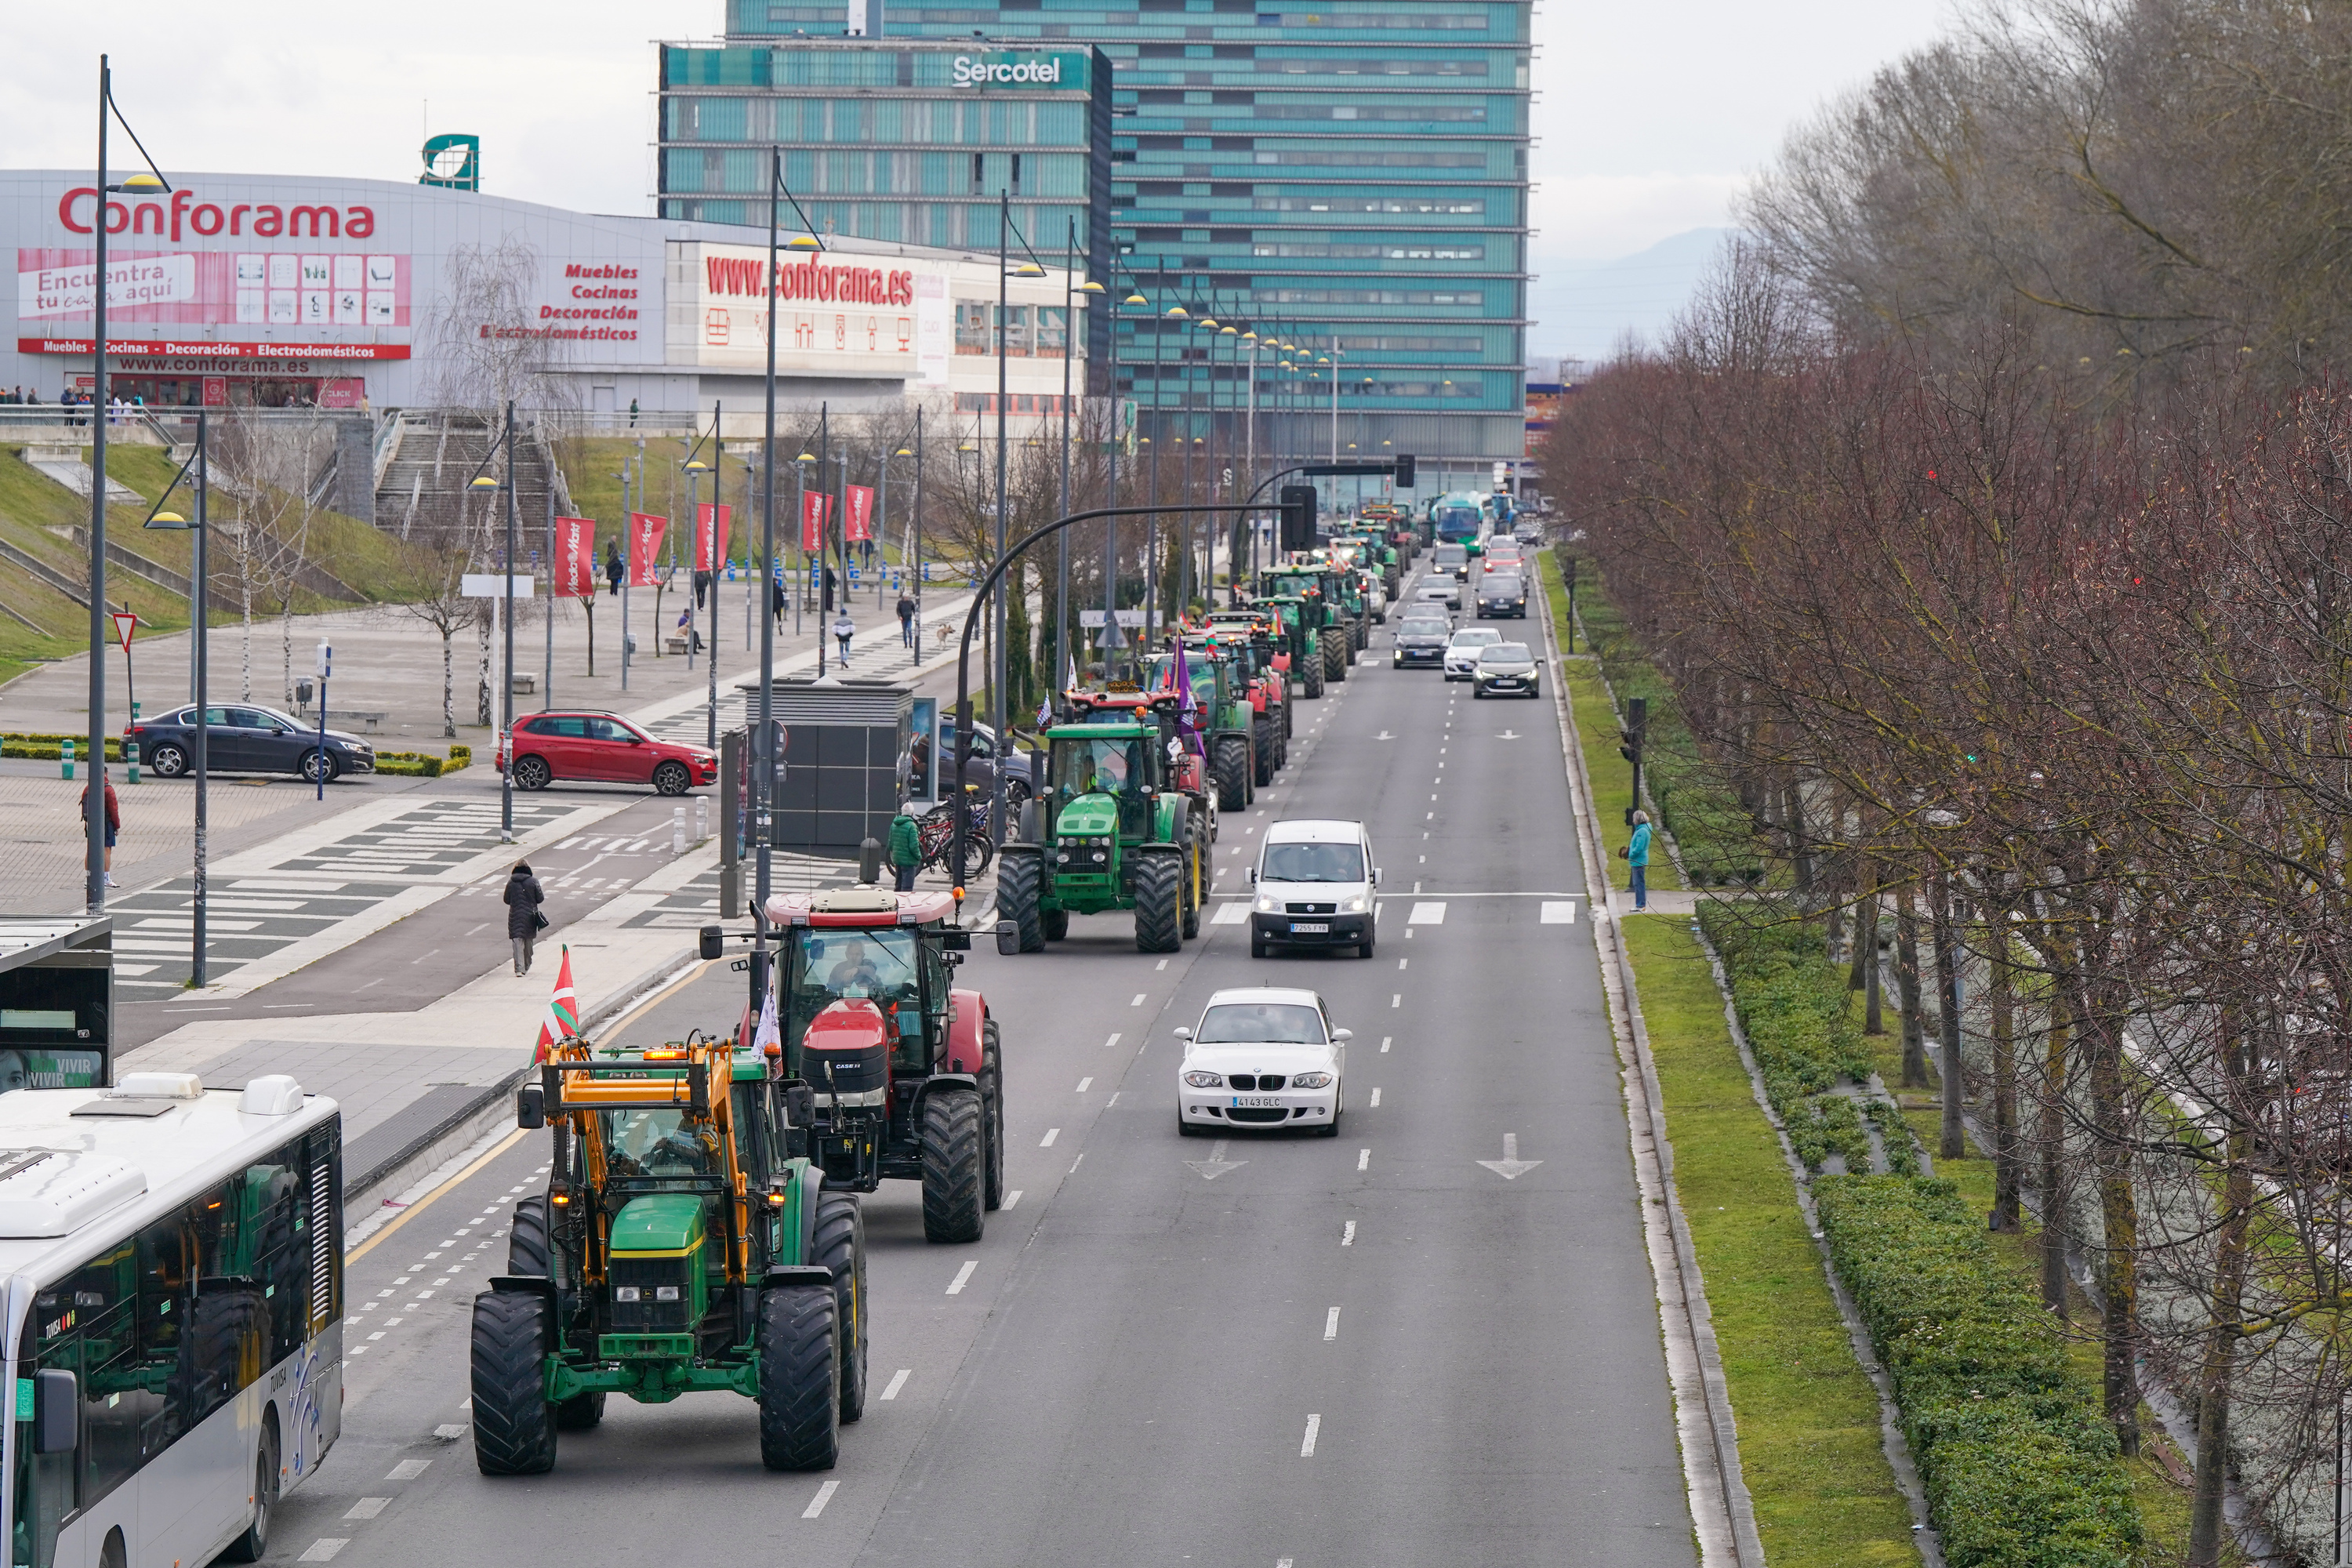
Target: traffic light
<point>1297,517</point>
<point>1404,472</point>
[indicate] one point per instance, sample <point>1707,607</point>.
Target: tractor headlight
<point>664,1292</point>
<point>627,1293</point>
<point>1204,1080</point>
<point>1310,1080</point>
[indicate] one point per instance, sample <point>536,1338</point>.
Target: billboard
<point>836,312</point>
<point>214,287</point>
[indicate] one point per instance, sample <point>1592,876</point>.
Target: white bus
<point>172,1268</point>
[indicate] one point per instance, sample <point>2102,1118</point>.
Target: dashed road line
<point>823,1496</point>
<point>1363,1159</point>
<point>1047,1141</point>
<point>1314,1428</point>
<point>1331,1325</point>
<point>963,1275</point>
<point>899,1379</point>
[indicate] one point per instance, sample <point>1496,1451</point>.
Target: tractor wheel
<point>527,1250</point>
<point>1230,768</point>
<point>1311,678</point>
<point>514,1426</point>
<point>1016,895</point>
<point>991,1099</point>
<point>1288,715</point>
<point>953,1157</point>
<point>800,1379</point>
<point>1056,924</point>
<point>1159,903</point>
<point>840,1247</point>
<point>1262,749</point>
<point>1335,654</point>
<point>1190,924</point>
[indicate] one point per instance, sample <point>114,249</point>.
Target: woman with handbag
<point>524,922</point>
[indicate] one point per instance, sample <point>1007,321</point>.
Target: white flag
<point>765,1035</point>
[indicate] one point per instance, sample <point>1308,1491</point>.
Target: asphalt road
<point>1372,1350</point>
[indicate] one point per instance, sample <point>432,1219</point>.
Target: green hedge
<point>21,743</point>
<point>2021,1471</point>
<point>1708,824</point>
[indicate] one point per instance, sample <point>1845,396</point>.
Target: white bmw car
<point>1263,1057</point>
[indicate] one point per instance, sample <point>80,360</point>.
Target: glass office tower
<point>903,141</point>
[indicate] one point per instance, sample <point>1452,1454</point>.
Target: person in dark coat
<point>612,568</point>
<point>523,897</point>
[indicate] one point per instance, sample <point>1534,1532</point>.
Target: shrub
<point>459,756</point>
<point>411,763</point>
<point>2019,1470</point>
<point>21,743</point>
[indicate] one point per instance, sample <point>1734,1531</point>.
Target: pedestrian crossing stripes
<point>155,927</point>
<point>427,841</point>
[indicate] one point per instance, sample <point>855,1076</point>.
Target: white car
<point>1263,1057</point>
<point>1439,589</point>
<point>1314,884</point>
<point>1462,653</point>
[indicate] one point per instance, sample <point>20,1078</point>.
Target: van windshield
<point>1313,863</point>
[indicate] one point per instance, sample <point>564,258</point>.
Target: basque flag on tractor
<point>562,1022</point>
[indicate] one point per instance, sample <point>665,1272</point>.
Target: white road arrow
<point>1384,735</point>
<point>1510,1167</point>
<point>1217,1164</point>
<point>1508,735</point>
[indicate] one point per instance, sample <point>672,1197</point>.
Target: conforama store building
<point>280,290</point>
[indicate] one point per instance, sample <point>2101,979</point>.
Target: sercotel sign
<point>970,72</point>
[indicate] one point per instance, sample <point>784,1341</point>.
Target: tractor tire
<point>1056,924</point>
<point>800,1379</point>
<point>527,1248</point>
<point>1263,751</point>
<point>840,1248</point>
<point>514,1426</point>
<point>1190,924</point>
<point>954,1156</point>
<point>992,1105</point>
<point>1311,678</point>
<point>1230,768</point>
<point>1335,654</point>
<point>1017,882</point>
<point>581,1412</point>
<point>1288,716</point>
<point>1159,903</point>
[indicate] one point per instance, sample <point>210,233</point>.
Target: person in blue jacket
<point>1637,855</point>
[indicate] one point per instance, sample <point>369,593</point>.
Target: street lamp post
<point>505,676</point>
<point>199,663</point>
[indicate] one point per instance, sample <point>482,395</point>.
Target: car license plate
<point>1322,927</point>
<point>1257,1102</point>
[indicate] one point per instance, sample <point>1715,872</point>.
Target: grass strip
<point>1611,774</point>
<point>1807,1417</point>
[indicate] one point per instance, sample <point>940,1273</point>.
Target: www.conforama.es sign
<point>807,280</point>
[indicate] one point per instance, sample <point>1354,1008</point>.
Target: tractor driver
<point>854,976</point>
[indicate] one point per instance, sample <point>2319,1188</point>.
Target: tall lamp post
<point>502,713</point>
<point>197,470</point>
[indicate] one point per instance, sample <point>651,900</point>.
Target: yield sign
<point>125,621</point>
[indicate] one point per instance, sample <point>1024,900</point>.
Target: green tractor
<point>1228,722</point>
<point>1321,596</point>
<point>1112,828</point>
<point>1296,651</point>
<point>685,1245</point>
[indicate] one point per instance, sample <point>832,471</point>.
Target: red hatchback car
<point>603,747</point>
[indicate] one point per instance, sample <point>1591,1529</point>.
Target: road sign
<point>125,621</point>
<point>490,585</point>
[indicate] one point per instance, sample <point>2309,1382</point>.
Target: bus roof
<point>70,1182</point>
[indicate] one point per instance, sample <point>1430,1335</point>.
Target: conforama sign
<point>807,282</point>
<point>184,215</point>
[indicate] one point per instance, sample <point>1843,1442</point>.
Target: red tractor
<point>895,1071</point>
<point>1253,639</point>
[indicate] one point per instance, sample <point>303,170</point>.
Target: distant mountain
<point>1583,310</point>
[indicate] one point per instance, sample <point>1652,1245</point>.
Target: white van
<point>1315,882</point>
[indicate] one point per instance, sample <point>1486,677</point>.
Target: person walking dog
<point>1637,857</point>
<point>906,621</point>
<point>524,922</point>
<point>906,849</point>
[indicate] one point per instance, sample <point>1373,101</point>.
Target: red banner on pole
<point>575,558</point>
<point>645,544</point>
<point>705,517</point>
<point>861,514</point>
<point>816,508</point>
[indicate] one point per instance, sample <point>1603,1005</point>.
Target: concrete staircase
<point>425,460</point>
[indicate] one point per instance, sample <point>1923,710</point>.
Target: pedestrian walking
<point>1637,857</point>
<point>113,821</point>
<point>632,413</point>
<point>905,846</point>
<point>524,922</point>
<point>702,588</point>
<point>612,568</point>
<point>906,621</point>
<point>843,627</point>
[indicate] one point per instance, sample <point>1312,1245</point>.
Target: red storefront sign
<point>861,513</point>
<point>259,352</point>
<point>645,544</point>
<point>575,558</point>
<point>703,553</point>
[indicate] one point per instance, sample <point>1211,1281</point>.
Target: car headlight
<point>1356,905</point>
<point>1310,1080</point>
<point>1267,904</point>
<point>1204,1080</point>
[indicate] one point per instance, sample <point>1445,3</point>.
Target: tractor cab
<point>1104,776</point>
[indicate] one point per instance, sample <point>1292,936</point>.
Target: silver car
<point>1505,670</point>
<point>1439,589</point>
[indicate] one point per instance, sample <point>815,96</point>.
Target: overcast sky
<point>1648,117</point>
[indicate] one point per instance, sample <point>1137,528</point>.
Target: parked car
<point>1462,652</point>
<point>1262,1057</point>
<point>241,738</point>
<point>1314,881</point>
<point>986,757</point>
<point>1502,593</point>
<point>1506,669</point>
<point>603,748</point>
<point>1421,640</point>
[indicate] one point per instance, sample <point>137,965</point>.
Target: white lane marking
<point>1076,1164</point>
<point>899,1379</point>
<point>451,1431</point>
<point>1232,914</point>
<point>1110,1043</point>
<point>1363,1159</point>
<point>1396,999</point>
<point>324,1550</point>
<point>1348,1235</point>
<point>1384,1043</point>
<point>1113,1100</point>
<point>963,1277</point>
<point>1403,961</point>
<point>1139,1000</point>
<point>1428,816</point>
<point>1331,1324</point>
<point>1047,1141</point>
<point>1085,1084</point>
<point>367,1508</point>
<point>407,1469</point>
<point>1510,1167</point>
<point>823,1496</point>
<point>1314,1425</point>
<point>1376,1101</point>
<point>1161,964</point>
<point>1558,913</point>
<point>1012,1197</point>
<point>379,1333</point>
<point>1429,914</point>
